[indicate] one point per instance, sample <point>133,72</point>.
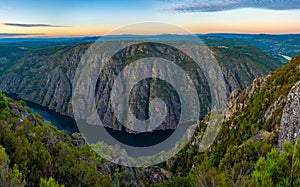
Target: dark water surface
<point>67,123</point>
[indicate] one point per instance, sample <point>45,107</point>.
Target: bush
<point>3,102</point>
<point>9,177</point>
<point>3,105</point>
<point>278,169</point>
<point>28,110</point>
<point>21,103</point>
<point>277,81</point>
<point>49,183</point>
<point>176,181</point>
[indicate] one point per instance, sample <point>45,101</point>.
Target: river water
<point>63,122</point>
<point>286,57</point>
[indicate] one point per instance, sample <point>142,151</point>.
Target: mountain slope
<point>254,120</point>
<point>45,76</point>
<point>245,152</point>
<point>37,150</point>
<point>34,153</point>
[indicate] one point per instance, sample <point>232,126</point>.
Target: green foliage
<point>278,169</point>
<point>3,105</point>
<point>244,156</point>
<point>123,178</point>
<point>39,152</point>
<point>9,176</point>
<point>209,176</point>
<point>176,181</point>
<point>3,102</point>
<point>235,152</point>
<point>49,183</point>
<point>21,103</point>
<point>29,110</point>
<point>277,81</point>
<point>233,169</point>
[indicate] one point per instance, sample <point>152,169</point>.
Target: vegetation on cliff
<point>245,151</point>
<point>33,151</point>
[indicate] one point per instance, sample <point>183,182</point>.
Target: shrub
<point>278,169</point>
<point>277,81</point>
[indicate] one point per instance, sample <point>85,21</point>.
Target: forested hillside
<point>245,152</point>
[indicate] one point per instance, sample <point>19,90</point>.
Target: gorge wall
<point>45,75</point>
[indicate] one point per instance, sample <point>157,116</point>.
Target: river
<point>286,57</point>
<point>67,123</point>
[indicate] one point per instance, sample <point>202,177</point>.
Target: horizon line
<point>35,36</point>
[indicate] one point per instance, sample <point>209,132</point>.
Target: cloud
<point>31,25</point>
<point>221,5</point>
<point>6,35</point>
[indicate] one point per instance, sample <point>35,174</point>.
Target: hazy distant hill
<point>285,44</point>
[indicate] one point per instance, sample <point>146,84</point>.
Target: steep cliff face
<point>241,63</point>
<point>238,98</point>
<point>258,119</point>
<point>150,88</point>
<point>290,121</point>
<point>45,76</point>
<point>274,99</point>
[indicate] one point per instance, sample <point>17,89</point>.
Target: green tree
<point>176,181</point>
<point>9,177</point>
<point>3,102</point>
<point>278,169</point>
<point>49,183</point>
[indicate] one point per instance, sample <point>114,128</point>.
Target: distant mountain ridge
<point>284,44</point>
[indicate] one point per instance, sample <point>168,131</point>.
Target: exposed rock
<point>45,77</point>
<point>238,99</point>
<point>256,85</point>
<point>78,140</point>
<point>233,103</point>
<point>290,121</point>
<point>21,112</point>
<point>120,156</point>
<point>137,177</point>
<point>262,135</point>
<point>277,104</point>
<point>156,174</point>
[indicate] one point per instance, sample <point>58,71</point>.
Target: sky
<point>36,18</point>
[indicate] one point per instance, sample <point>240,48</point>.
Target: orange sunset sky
<point>93,18</point>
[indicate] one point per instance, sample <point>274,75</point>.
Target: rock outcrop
<point>135,176</point>
<point>233,103</point>
<point>290,121</point>
<point>238,98</point>
<point>277,103</point>
<point>21,112</point>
